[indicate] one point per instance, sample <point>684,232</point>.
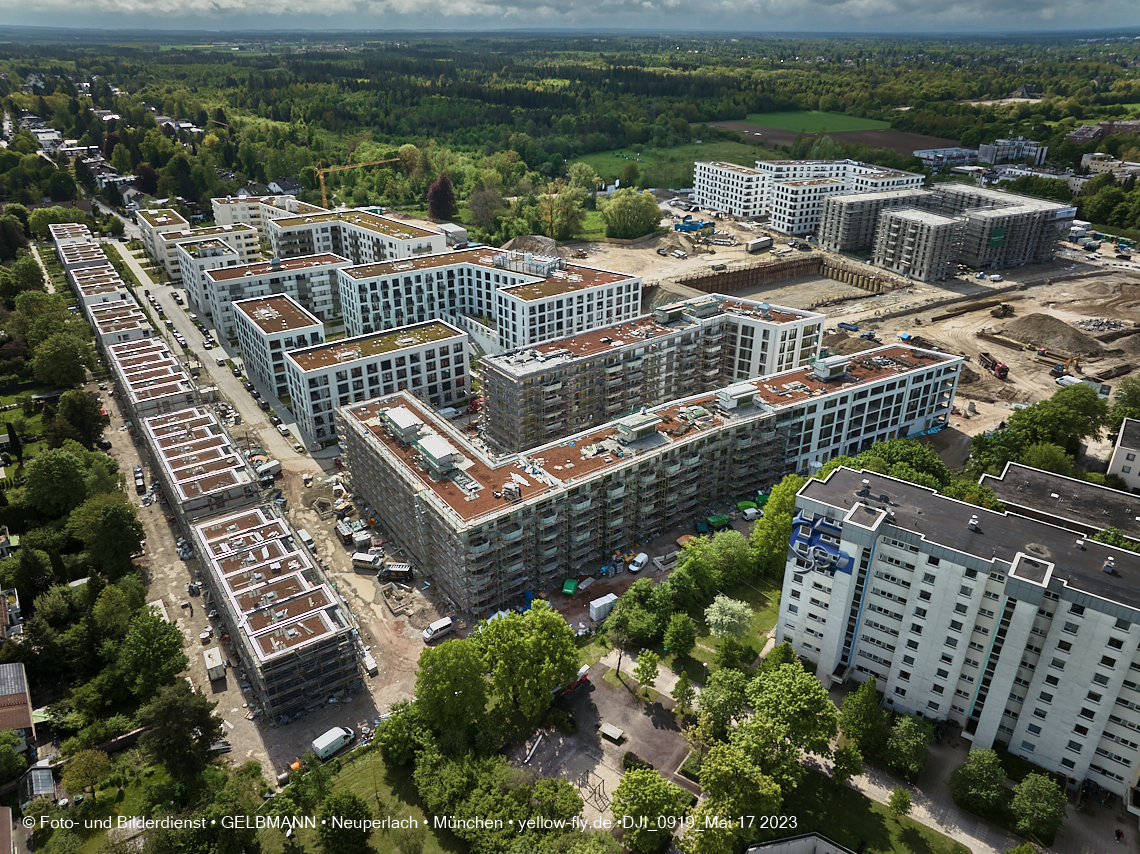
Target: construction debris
<point>1100,324</point>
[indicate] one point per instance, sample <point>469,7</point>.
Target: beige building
<point>360,235</point>
<point>153,223</point>
<point>918,244</point>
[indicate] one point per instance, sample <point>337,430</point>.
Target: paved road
<point>47,279</point>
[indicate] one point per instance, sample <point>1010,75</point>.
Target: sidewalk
<point>47,279</point>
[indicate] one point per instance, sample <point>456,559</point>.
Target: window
<point>952,642</point>
<point>1108,662</point>
<point>1052,680</point>
<point>1094,696</point>
<point>916,628</point>
<point>1077,610</point>
<point>904,675</point>
<point>1039,713</point>
<point>1074,746</point>
<point>1100,679</point>
<point>912,644</point>
<point>947,658</point>
<point>1116,643</point>
<point>1057,663</point>
<point>942,673</point>
<point>1123,624</point>
<point>1033,729</point>
<point>966,590</point>
<point>1087,713</point>
<point>933,561</point>
<point>961,608</point>
<point>900,691</point>
<point>928,577</point>
<point>1068,763</point>
<point>938,689</point>
<point>1064,646</point>
<point>920,613</point>
<point>908,659</point>
<point>1027,747</point>
<point>1070,628</point>
<point>1045,697</point>
<point>1081,730</point>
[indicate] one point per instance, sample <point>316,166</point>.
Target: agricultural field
<point>667,167</point>
<point>814,121</point>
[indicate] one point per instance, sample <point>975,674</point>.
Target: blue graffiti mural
<point>808,545</point>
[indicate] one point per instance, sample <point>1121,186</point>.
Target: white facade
<point>507,299</point>
<point>242,239</point>
<point>1125,462</point>
<point>118,322</point>
<point>361,235</point>
<point>1017,629</point>
<point>195,258</point>
<point>431,360</point>
<point>311,280</point>
<point>269,327</point>
<point>798,205</point>
<point>152,223</point>
<point>257,211</point>
<point>736,190</point>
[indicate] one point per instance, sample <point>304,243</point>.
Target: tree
<point>728,617</point>
<point>729,653</point>
<point>629,214</point>
<point>485,205</point>
<point>529,655</point>
<point>863,721</point>
<point>730,558</point>
<point>681,635</point>
<point>1048,457</point>
<point>1127,394</point>
<point>644,796</point>
<point>41,218</point>
<point>583,175</point>
<point>1073,413</point>
<point>646,670</point>
<point>12,762</point>
<point>977,783</point>
<point>683,693</point>
<point>1039,807</point>
<point>344,824</point>
<point>1113,536</point>
<point>15,446</point>
<point>441,199</point>
<point>733,785</point>
<point>54,482</point>
<point>121,159</point>
<point>971,492</point>
<point>86,768</point>
<point>450,687</point>
<point>630,175</point>
<point>778,657</point>
<point>112,612</point>
<point>20,212</point>
<point>772,533</point>
<point>182,726</point>
<point>108,526</point>
<point>899,802</point>
<point>795,699</point>
<point>83,412</point>
<point>562,210</point>
<point>722,700</point>
<point>847,762</point>
<point>906,747</point>
<point>62,361</point>
<point>151,654</point>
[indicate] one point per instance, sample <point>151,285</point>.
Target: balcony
<point>549,534</point>
<point>550,388</point>
<point>672,469</point>
<point>689,490</point>
<point>580,505</point>
<point>615,522</point>
<point>479,548</point>
<point>512,534</point>
<point>690,459</point>
<point>614,369</point>
<point>550,552</point>
<point>649,479</point>
<point>744,441</point>
<point>582,537</point>
<point>548,519</point>
<point>615,492</point>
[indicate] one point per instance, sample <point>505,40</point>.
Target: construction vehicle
<point>1061,369</point>
<point>320,173</point>
<point>850,327</point>
<point>871,336</point>
<point>998,369</point>
<point>690,224</point>
<point>1003,310</point>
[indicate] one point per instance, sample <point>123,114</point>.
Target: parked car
<point>752,513</point>
<point>282,429</point>
<point>248,386</point>
<point>236,371</point>
<point>206,345</point>
<point>639,562</point>
<point>255,394</point>
<point>221,362</point>
<point>104,444</point>
<point>274,420</point>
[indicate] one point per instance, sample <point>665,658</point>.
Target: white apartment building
<point>150,379</point>
<point>65,233</point>
<point>487,528</point>
<point>198,256</point>
<point>77,256</point>
<point>430,360</point>
<point>360,235</point>
<point>1006,150</point>
<point>561,387</point>
<point>798,205</point>
<point>736,190</point>
<point>311,280</point>
<point>1125,461</point>
<point>504,299</point>
<point>118,322</point>
<point>240,238</point>
<point>1018,629</point>
<point>269,327</point>
<point>152,223</point>
<point>257,211</point>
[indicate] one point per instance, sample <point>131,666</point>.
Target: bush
<point>630,761</point>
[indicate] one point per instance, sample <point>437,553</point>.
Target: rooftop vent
<point>973,525</point>
<point>1110,565</point>
<point>1081,545</point>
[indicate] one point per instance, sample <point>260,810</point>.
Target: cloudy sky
<point>739,16</point>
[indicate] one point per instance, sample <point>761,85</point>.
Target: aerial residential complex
<point>487,528</point>
<point>550,390</point>
<point>431,360</point>
<point>849,221</point>
<point>1017,149</point>
<point>310,279</point>
<point>269,327</point>
<point>917,244</point>
<point>258,211</point>
<point>177,249</point>
<point>1018,629</point>
<point>791,191</point>
<point>505,299</point>
<point>293,634</point>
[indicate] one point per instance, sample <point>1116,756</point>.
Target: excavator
<point>1061,369</point>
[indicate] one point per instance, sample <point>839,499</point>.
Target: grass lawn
<point>765,604</point>
<point>33,425</point>
<point>853,820</point>
<point>627,683</point>
<point>813,121</point>
<point>390,792</point>
<point>593,227</point>
<point>666,167</point>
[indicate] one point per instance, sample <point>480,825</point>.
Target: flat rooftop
<point>1084,506</point>
<point>923,217</point>
<point>148,369</point>
<point>731,167</point>
<point>85,254</point>
<point>69,230</point>
<point>209,248</point>
<point>198,456</point>
<point>277,313</point>
<point>158,218</point>
<point>363,219</point>
<point>205,232</point>
<point>815,182</point>
<point>264,575</point>
<point>469,492</point>
<point>366,346</point>
<point>881,195</point>
<point>112,317</point>
<point>287,265</point>
<point>1000,536</point>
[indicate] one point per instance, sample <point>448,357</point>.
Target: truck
<point>758,244</point>
<point>850,327</point>
<point>332,741</point>
<point>215,667</point>
<point>995,278</point>
<point>450,413</point>
<point>998,369</point>
<point>396,572</point>
<point>269,469</point>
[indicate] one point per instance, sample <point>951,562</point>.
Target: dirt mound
<point>1129,344</point>
<point>968,376</point>
<point>1043,330</point>
<point>842,344</point>
<point>536,244</point>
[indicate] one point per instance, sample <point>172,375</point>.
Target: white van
<point>306,540</point>
<point>1066,381</point>
<point>438,629</point>
<point>450,413</point>
<point>366,561</point>
<point>332,741</point>
<point>639,562</point>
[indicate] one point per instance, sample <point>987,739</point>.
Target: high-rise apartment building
<point>269,327</point>
<point>736,190</point>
